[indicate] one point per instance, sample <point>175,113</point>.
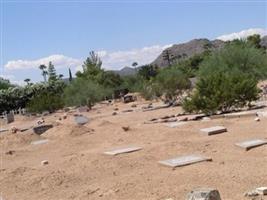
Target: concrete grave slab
<point>122,150</point>
<point>3,130</point>
<point>10,118</point>
<point>184,160</point>
<point>37,142</point>
<point>249,144</point>
<point>175,124</point>
<point>213,130</point>
<point>42,128</point>
<point>81,120</point>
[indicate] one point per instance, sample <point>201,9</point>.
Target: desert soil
<point>78,169</point>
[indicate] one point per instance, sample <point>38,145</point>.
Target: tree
<point>169,84</point>
<point>44,72</point>
<point>84,92</point>
<point>227,80</point>
<point>147,72</point>
<point>27,80</point>
<point>254,40</point>
<point>70,75</point>
<point>92,65</point>
<point>52,75</point>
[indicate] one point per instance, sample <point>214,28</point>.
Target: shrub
<point>228,79</point>
<point>84,92</point>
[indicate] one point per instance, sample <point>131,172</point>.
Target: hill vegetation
<point>227,75</point>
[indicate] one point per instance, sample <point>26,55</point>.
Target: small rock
<point>262,190</point>
<point>44,162</point>
<point>65,116</point>
<point>10,152</point>
<point>126,128</point>
<point>114,113</point>
<point>14,129</point>
<point>257,119</point>
<point>116,109</point>
<point>133,105</point>
<point>183,119</point>
<point>204,194</point>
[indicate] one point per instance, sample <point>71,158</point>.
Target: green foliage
<point>5,84</point>
<point>227,80</point>
<point>169,84</point>
<point>84,92</point>
<point>222,91</point>
<point>45,102</point>
<point>147,72</point>
<point>51,71</point>
<point>254,40</point>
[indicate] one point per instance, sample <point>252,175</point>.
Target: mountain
<point>187,50</point>
<point>126,71</point>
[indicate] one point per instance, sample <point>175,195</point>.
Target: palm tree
<point>60,76</point>
<point>44,72</point>
<point>27,80</point>
<point>134,65</point>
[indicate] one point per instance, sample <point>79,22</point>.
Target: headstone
<point>213,130</point>
<point>42,128</point>
<point>175,124</point>
<point>9,118</point>
<point>184,160</point>
<point>45,113</point>
<point>122,150</point>
<point>37,142</point>
<point>204,194</point>
<point>249,144</point>
<point>81,120</point>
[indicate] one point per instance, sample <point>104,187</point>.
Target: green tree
<point>52,75</point>
<point>27,80</point>
<point>44,72</point>
<point>227,80</point>
<point>254,40</point>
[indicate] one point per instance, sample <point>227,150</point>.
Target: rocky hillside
<point>186,50</point>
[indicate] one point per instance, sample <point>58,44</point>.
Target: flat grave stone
<point>42,128</point>
<point>122,150</point>
<point>3,130</point>
<point>175,124</point>
<point>184,160</point>
<point>213,130</point>
<point>249,144</point>
<point>37,142</point>
<point>81,120</point>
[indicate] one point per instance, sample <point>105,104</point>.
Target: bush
<point>83,92</point>
<point>228,79</point>
<point>222,92</point>
<point>169,84</point>
<point>45,102</point>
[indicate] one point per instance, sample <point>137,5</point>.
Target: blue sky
<point>121,31</point>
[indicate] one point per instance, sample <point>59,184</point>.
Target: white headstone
<point>184,160</point>
<point>213,130</point>
<point>39,142</point>
<point>249,144</point>
<point>262,190</point>
<point>122,150</point>
<point>175,124</point>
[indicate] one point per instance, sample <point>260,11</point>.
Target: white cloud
<point>243,34</point>
<point>58,60</point>
<point>119,59</point>
<point>111,60</point>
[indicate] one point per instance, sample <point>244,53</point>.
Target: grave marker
<point>249,144</point>
<point>184,160</point>
<point>81,120</point>
<point>213,130</point>
<point>122,150</point>
<point>37,142</point>
<point>175,124</point>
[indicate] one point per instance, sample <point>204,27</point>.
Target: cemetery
<point>163,154</point>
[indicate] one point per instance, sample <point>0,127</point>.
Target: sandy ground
<point>78,169</point>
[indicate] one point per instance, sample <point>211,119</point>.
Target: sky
<point>121,32</point>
